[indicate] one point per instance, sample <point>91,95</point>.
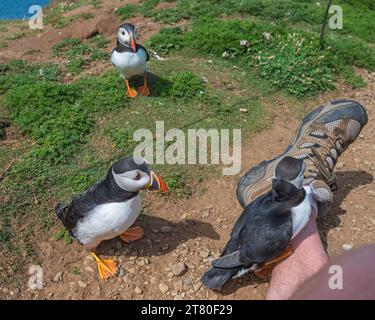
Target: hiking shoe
<point>323,135</point>
<point>322,193</point>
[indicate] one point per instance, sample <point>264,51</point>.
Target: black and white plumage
<point>266,226</point>
<point>109,207</point>
<point>130,58</point>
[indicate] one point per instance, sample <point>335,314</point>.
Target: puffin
<point>261,236</point>
<point>130,58</point>
<point>109,208</point>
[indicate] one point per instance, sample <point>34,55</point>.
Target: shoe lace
<point>320,159</point>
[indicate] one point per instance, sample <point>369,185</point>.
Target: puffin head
<point>127,36</point>
<point>133,174</point>
<point>288,180</point>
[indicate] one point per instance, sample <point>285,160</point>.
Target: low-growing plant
<point>79,54</point>
<point>186,85</point>
<point>128,11</point>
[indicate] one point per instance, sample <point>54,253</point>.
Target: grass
<point>289,59</point>
<point>62,121</point>
<point>55,15</point>
<point>78,54</point>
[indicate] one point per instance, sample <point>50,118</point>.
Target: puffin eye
<point>123,33</point>
<point>138,176</point>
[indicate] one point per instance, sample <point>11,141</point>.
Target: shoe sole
<point>320,115</point>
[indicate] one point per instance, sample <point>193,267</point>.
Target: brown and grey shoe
<point>322,193</point>
<point>323,135</point>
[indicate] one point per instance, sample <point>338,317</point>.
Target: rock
<point>210,61</point>
<point>111,252</point>
<point>340,165</point>
<point>89,269</point>
<point>163,288</point>
<point>204,79</point>
<point>204,254</point>
<point>82,284</point>
<point>347,247</point>
<point>121,272</point>
<point>197,286</point>
<point>178,297</point>
<point>371,193</point>
<point>155,231</point>
<point>179,269</point>
<point>206,214</point>
<point>196,260</point>
<point>58,277</point>
<point>177,285</point>
<point>165,247</point>
<point>166,229</point>
<point>244,110</point>
<point>188,282</point>
<point>138,290</point>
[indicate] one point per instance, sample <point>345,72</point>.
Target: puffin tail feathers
<point>215,278</point>
<point>59,210</point>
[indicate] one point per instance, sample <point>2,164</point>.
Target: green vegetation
<point>78,54</point>
<point>129,10</point>
<point>55,15</point>
<point>290,59</point>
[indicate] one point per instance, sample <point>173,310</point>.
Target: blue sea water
<point>18,9</point>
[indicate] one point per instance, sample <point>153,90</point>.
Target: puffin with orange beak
<point>130,58</point>
<point>109,208</point>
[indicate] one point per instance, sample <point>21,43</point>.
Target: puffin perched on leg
<point>110,207</point>
<point>260,238</point>
<point>130,58</point>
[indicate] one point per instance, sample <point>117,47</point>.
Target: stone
<point>163,288</point>
<point>371,193</point>
<point>58,277</point>
<point>138,290</point>
<point>188,282</point>
<point>340,165</point>
<point>82,284</point>
<point>347,247</point>
<point>89,269</point>
<point>204,254</point>
<point>197,286</point>
<point>179,268</point>
<point>177,285</point>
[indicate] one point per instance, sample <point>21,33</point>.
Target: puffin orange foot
<point>132,234</point>
<point>130,92</point>
<point>144,91</point>
<point>106,267</point>
<point>267,268</point>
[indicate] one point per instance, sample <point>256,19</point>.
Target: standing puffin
<point>260,238</point>
<point>110,207</point>
<point>130,58</point>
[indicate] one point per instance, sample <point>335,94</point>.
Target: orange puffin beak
<point>157,183</point>
<point>133,45</point>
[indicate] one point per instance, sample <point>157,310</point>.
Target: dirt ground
<point>195,230</point>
